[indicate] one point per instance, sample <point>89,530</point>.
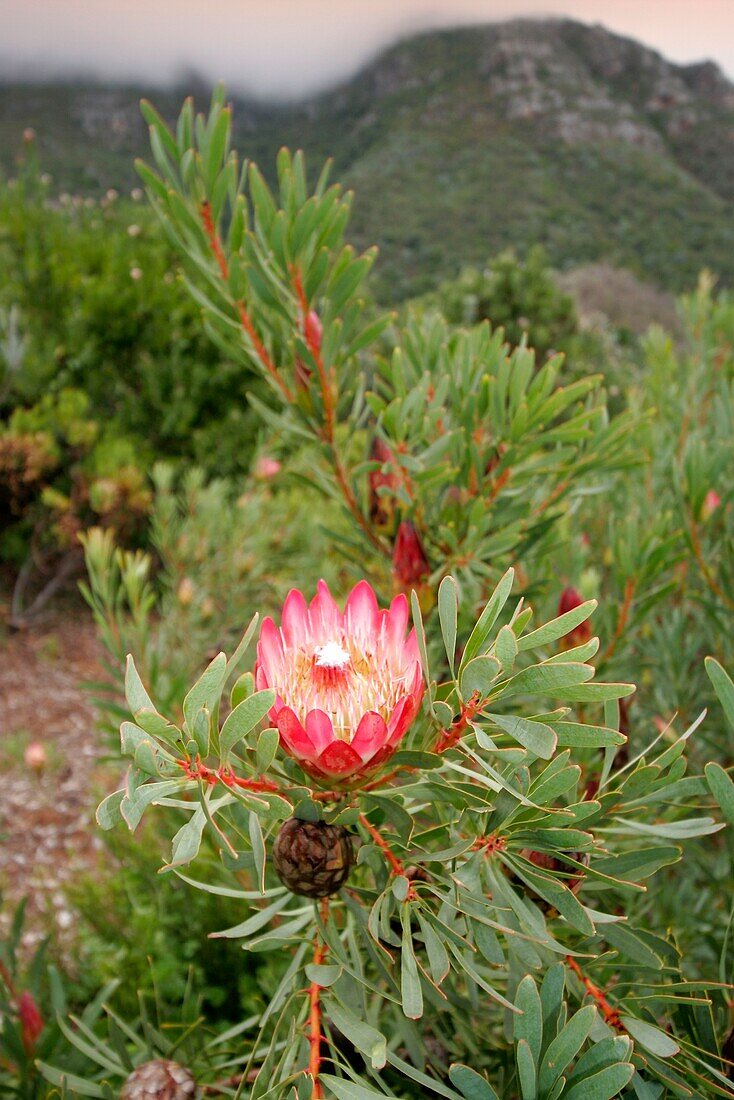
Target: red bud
<point>410,564</point>
<point>313,330</point>
<point>31,1020</point>
<point>382,505</point>
<point>711,502</point>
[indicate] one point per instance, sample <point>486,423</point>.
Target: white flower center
<point>331,655</point>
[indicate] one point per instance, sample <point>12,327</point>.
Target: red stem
<point>329,400</point>
<point>610,1014</point>
<point>448,738</point>
<point>315,1030</point>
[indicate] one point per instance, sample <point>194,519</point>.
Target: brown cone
<point>313,859</point>
<point>159,1080</point>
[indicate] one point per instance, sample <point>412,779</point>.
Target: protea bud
<point>711,502</point>
<point>266,468</point>
<point>313,330</point>
<point>409,561</point>
<point>31,1021</point>
<point>159,1080</point>
<point>570,599</point>
<point>35,757</point>
<point>382,505</point>
<point>313,859</point>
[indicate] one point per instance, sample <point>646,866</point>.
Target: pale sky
<point>292,47</point>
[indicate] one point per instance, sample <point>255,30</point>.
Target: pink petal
<point>401,718</point>
<point>411,653</point>
<point>319,729</point>
<point>270,650</point>
<point>370,736</point>
<point>397,622</point>
<point>381,757</point>
<point>293,736</point>
<point>362,615</point>
<point>326,618</point>
<point>339,760</point>
<point>295,622</point>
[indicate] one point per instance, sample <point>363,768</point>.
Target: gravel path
<point>47,826</point>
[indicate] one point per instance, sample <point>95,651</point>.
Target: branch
<point>329,397</point>
<point>448,737</point>
<point>629,591</point>
<point>610,1014</point>
<point>315,1030</point>
<point>396,865</point>
<point>704,567</point>
<point>215,244</point>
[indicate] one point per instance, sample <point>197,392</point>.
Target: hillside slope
<point>464,142</point>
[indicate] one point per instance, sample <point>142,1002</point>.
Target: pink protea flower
<point>348,684</point>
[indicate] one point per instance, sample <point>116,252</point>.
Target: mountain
<point>464,142</point>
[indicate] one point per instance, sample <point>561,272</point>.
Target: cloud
<point>286,48</point>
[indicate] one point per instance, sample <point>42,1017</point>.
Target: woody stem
<point>315,1032</point>
<point>215,245</point>
<point>610,1014</point>
<point>329,400</point>
<point>396,865</point>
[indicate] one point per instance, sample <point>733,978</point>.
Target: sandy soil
<point>47,826</point>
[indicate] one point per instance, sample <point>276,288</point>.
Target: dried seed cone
<point>159,1080</point>
<point>313,859</point>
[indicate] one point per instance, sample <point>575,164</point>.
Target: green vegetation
<point>461,144</point>
<point>540,903</point>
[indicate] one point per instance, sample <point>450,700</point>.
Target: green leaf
<point>243,719</point>
<point>526,1070</point>
<point>349,1090</point>
<point>136,695</point>
<point>566,1045</point>
<point>438,959</point>
<point>448,613</point>
<point>722,788</point>
<point>420,633</point>
<point>480,633</point>
<point>267,747</point>
<point>535,736</point>
<point>557,628</point>
<point>603,1085</point>
<point>547,679</point>
<point>577,735</point>
<point>243,686</point>
<point>470,1084</point>
<point>201,731</point>
<point>108,812</point>
<point>78,1084</point>
<point>528,1024</point>
<point>479,675</point>
<point>410,983</point>
<point>368,1041</point>
<point>206,691</point>
<point>323,974</point>
<point>258,848</point>
<point>649,1037</point>
<point>505,647</point>
<point>723,686</point>
<point>187,841</point>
